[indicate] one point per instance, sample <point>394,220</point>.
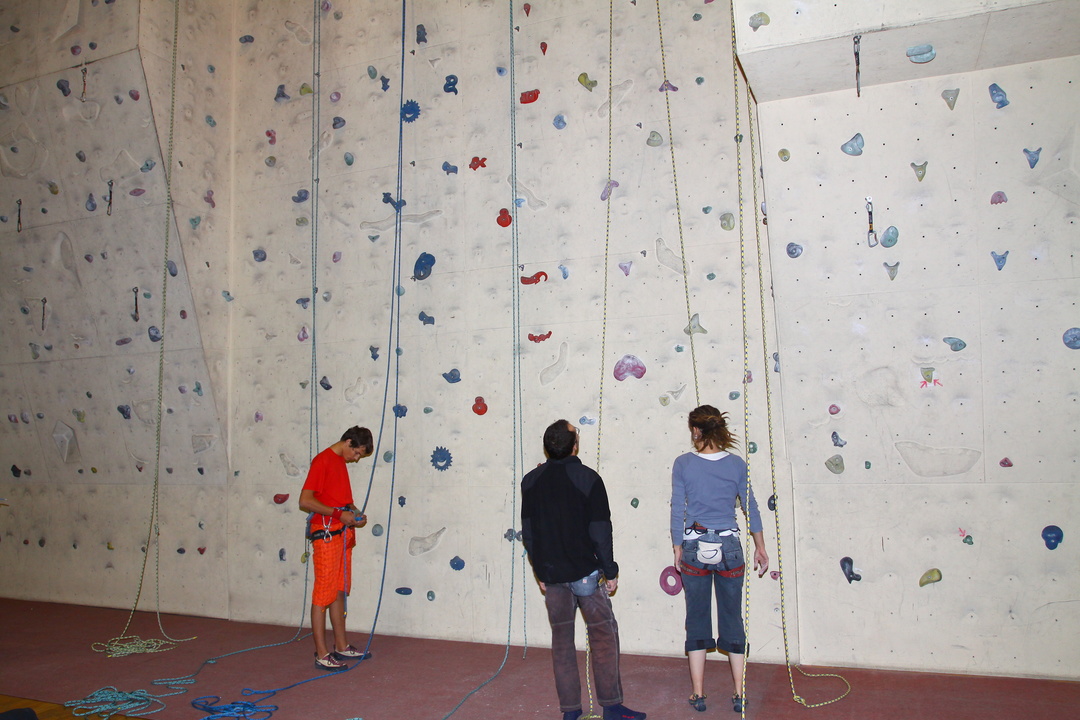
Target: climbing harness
<point>736,71</point>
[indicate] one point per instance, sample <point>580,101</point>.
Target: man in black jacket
<point>566,527</point>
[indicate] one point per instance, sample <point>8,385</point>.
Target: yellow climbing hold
<point>586,83</point>
<point>932,575</point>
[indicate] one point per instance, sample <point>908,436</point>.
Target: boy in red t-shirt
<point>327,493</point>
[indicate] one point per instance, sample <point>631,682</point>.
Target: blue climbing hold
<point>441,459</point>
<point>1032,156</point>
<point>1071,338</point>
<point>565,271</point>
<point>171,267</point>
<point>339,122</point>
<point>854,146</point>
<point>146,166</point>
<point>124,410</point>
<point>410,110</point>
<point>401,501</point>
<point>421,35</point>
<point>404,591</point>
<point>259,255</point>
<point>153,333</point>
<point>955,344</point>
<point>301,196</point>
<point>453,376</point>
<point>449,169</point>
<point>794,250</point>
<point>997,95</point>
<point>396,204</point>
<point>247,40</point>
<point>374,352</point>
<point>426,319</point>
<point>450,86</point>
<point>999,260</point>
<point>64,86</point>
<point>423,266</point>
<point>281,95</point>
<point>1052,535</point>
<point>890,236</point>
<point>303,302</point>
<point>500,71</point>
<point>457,563</point>
<point>400,411</point>
<point>325,384</point>
<point>385,83</point>
<point>837,441</point>
<point>559,122</point>
<point>91,203</point>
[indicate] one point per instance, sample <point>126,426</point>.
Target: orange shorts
<point>333,567</point>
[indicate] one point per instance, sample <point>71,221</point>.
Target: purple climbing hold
<point>335,96</point>
<point>172,268</point>
<point>281,95</point>
<point>124,410</point>
<point>998,198</point>
<point>246,40</point>
<point>336,257</point>
<point>625,267</point>
<point>301,196</point>
<point>15,471</point>
<point>629,365</point>
<point>64,86</point>
<point>154,334</point>
<point>1032,157</point>
<point>123,341</point>
<point>303,334</point>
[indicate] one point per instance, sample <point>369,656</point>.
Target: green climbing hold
<point>699,80</point>
<point>968,540</point>
<point>428,410</point>
<point>305,89</point>
<point>710,276</point>
<point>866,464</point>
<point>751,447</point>
<point>835,464</point>
<point>634,502</point>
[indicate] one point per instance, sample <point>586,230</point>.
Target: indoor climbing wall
<point>924,240</point>
<point>90,293</point>
<point>500,199</point>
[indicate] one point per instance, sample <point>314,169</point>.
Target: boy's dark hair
<point>559,440</point>
<point>359,437</point>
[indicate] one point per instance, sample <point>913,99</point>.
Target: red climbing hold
<point>529,96</point>
<point>280,498</point>
<point>540,338</point>
<point>479,407</point>
<point>478,162</point>
<point>202,551</point>
<point>528,8</point>
<point>543,48</point>
<point>504,218</point>
<point>534,279</point>
<point>1005,462</point>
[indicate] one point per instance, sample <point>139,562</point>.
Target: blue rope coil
<point>109,701</point>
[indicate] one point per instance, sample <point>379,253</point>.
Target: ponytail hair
<point>713,426</point>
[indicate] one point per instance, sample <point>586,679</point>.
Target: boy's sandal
<point>698,702</point>
<point>738,704</point>
<point>350,653</point>
<point>329,662</point>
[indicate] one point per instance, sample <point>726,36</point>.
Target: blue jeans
<point>562,606</point>
<point>698,590</point>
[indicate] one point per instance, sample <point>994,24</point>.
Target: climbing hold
<point>372,72</point>
<point>422,267</point>
<point>854,146</point>
<point>920,170</point>
<point>634,502</point>
<point>835,464</point>
<point>403,591</point>
<point>400,410</point>
<point>707,209</point>
<point>629,365</point>
<point>1053,536</point>
<point>528,8</point>
<point>543,48</point>
<point>1032,156</point>
<point>401,501</point>
<point>272,135</point>
<point>666,86</point>
<point>449,169</point>
<point>410,110</point>
<point>336,257</point>
<point>784,154</point>
<point>772,503</point>
<point>559,122</point>
<point>891,269</point>
<point>1071,338</point>
<point>426,319</point>
<point>999,260</point>
<point>968,540</point>
<point>757,20</point>
<point>890,236</point>
<point>441,459</point>
<point>301,196</point>
<point>450,86</point>
<point>374,352</point>
<point>932,575</point>
<point>303,302</point>
<point>848,566</point>
<point>539,338</point>
<point>421,39</point>
<point>396,204</point>
<point>751,447</point>
<point>1005,462</point>
<point>454,376</point>
<point>246,40</point>
<point>606,193</point>
<point>837,440</point>
<point>270,161</point>
<point>529,96</point>
<point>430,594</point>
<point>281,498</point>
<point>655,139</point>
<point>586,420</point>
<point>210,121</point>
<point>479,406</point>
<point>281,95</point>
<point>625,267</point>
<point>586,83</point>
<point>325,384</point>
<point>500,71</point>
<point>834,409</point>
<point>794,250</point>
<point>670,580</point>
<point>534,279</point>
<point>699,80</point>
<point>64,86</point>
<point>921,53</point>
<point>998,198</point>
<point>209,199</point>
<point>727,221</point>
<point>695,326</point>
<point>388,456</point>
<point>339,122</point>
<point>504,218</point>
<point>303,335</point>
<point>457,563</point>
<point>91,203</point>
<point>377,530</point>
<point>153,333</point>
<point>955,344</point>
<point>478,162</point>
<point>710,276</point>
<point>124,410</point>
<point>734,395</point>
<point>949,96</point>
<point>997,96</point>
<point>335,96</point>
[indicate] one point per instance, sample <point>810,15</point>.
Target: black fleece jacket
<point>566,522</point>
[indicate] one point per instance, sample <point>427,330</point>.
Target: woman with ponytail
<point>705,485</point>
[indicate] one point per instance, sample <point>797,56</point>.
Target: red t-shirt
<point>328,478</point>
